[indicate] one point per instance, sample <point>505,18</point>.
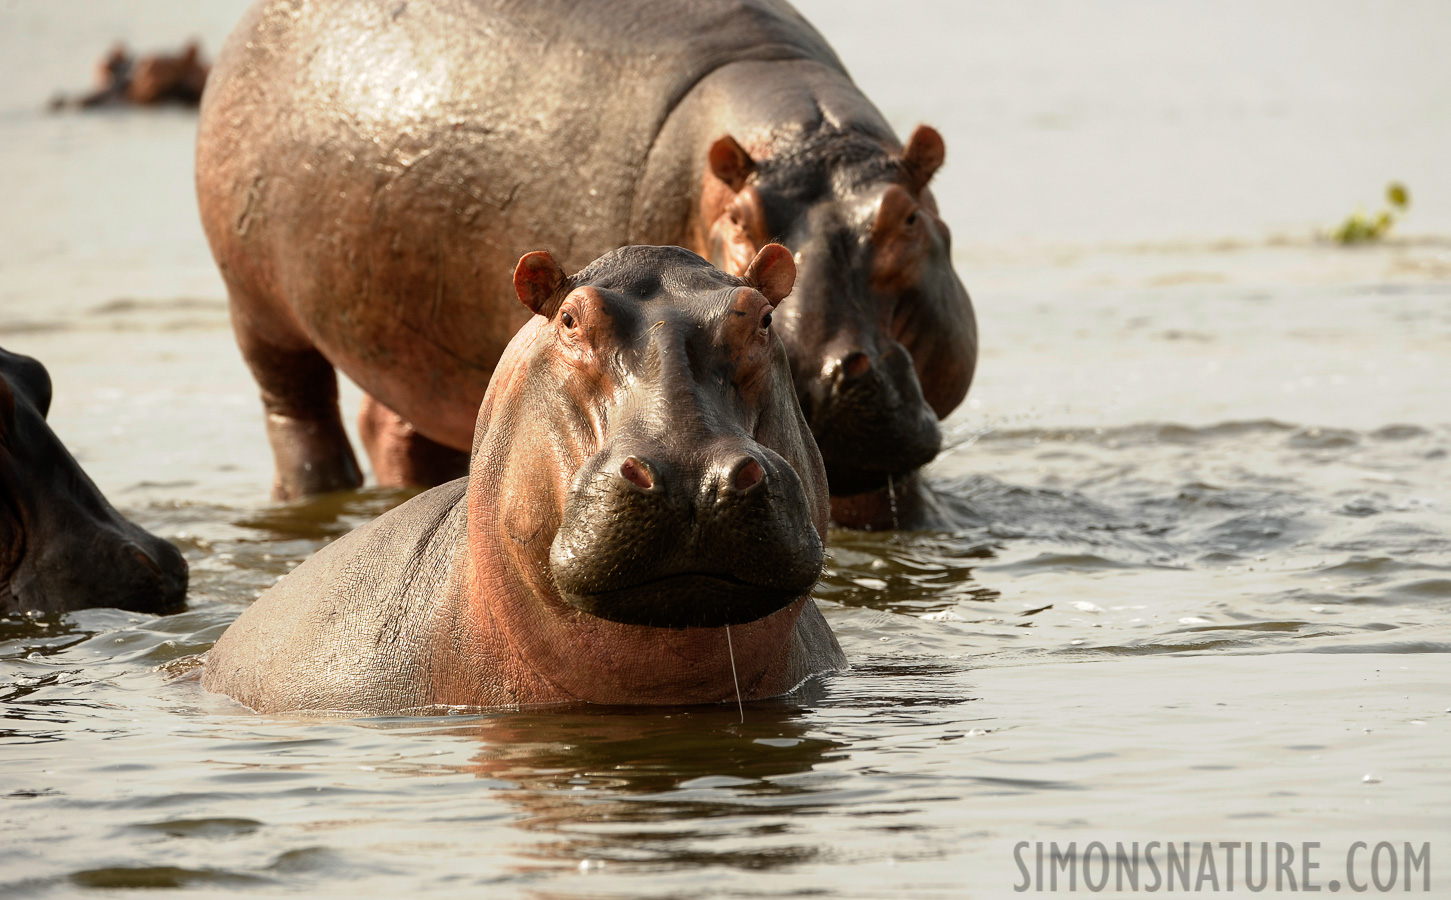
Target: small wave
<point>1068,562</point>
<point>1428,589</point>
<point>1399,432</point>
<point>1315,438</point>
<point>1143,433</point>
<point>210,828</point>
<point>133,877</point>
<point>1375,566</point>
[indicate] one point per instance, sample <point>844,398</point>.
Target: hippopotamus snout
<point>159,573</point>
<point>110,562</point>
<point>735,473</point>
<point>712,538</point>
<point>62,546</point>
<point>871,420</point>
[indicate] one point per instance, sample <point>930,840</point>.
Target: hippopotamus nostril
<point>856,364</point>
<point>146,559</point>
<point>746,474</point>
<point>637,472</point>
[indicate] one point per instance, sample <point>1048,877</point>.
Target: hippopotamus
<point>62,546</point>
<point>642,522</point>
<point>367,169</point>
<point>124,80</point>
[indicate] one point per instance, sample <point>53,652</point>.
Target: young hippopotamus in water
<point>62,546</point>
<point>642,520</point>
<point>365,166</point>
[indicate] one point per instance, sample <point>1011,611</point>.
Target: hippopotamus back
<point>358,613</point>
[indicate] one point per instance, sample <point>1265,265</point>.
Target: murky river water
<point>1198,591</point>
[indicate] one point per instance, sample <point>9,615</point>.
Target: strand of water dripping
<point>731,648</point>
<point>892,499</point>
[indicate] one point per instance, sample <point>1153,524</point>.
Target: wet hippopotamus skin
<point>62,546</point>
<point>642,522</point>
<point>368,170</point>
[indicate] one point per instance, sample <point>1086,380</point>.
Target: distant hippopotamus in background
<point>124,80</point>
<point>367,170</point>
<point>642,523</point>
<point>62,546</point>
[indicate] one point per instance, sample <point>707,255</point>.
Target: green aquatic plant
<point>1360,228</point>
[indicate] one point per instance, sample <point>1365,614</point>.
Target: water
<point>1197,591</point>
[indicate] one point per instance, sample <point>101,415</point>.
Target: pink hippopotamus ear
<point>730,162</point>
<point>923,156</point>
<point>772,272</point>
<point>538,278</point>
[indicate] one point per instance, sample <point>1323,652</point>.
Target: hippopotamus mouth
<point>686,600</point>
<point>656,536</point>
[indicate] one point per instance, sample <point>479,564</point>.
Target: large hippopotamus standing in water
<point>62,546</point>
<point>368,170</point>
<point>642,521</point>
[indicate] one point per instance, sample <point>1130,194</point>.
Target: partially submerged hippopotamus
<point>368,169</point>
<point>642,521</point>
<point>125,80</point>
<point>62,546</point>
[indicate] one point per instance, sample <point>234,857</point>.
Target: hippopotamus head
<point>642,445</point>
<point>62,546</point>
<point>879,330</point>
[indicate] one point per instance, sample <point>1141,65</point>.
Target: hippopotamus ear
<point>730,162</point>
<point>923,156</point>
<point>538,278</point>
<point>772,272</point>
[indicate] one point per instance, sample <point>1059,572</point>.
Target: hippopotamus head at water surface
<point>880,331</point>
<point>62,546</point>
<point>641,523</point>
<point>693,495</point>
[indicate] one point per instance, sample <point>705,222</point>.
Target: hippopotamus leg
<point>401,456</point>
<point>300,396</point>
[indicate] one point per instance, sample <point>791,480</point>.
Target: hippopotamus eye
<point>912,218</point>
<point>765,321</point>
<point>566,319</point>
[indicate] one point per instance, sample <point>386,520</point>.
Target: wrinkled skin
<point>641,524</point>
<point>367,169</point>
<point>882,340</point>
<point>124,80</point>
<point>62,546</point>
